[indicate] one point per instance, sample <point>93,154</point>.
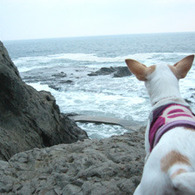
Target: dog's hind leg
<point>185,183</point>
<point>152,183</point>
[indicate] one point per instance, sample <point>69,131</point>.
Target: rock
<point>103,71</point>
<point>28,118</point>
<point>66,82</point>
<point>127,124</point>
<point>188,101</point>
<point>53,86</point>
<point>60,75</point>
<point>116,71</point>
<point>109,166</point>
<point>57,87</point>
<point>122,72</point>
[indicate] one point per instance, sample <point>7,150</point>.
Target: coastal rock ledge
<point>28,118</point>
<point>110,166</point>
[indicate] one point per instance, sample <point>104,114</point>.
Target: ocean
<point>63,66</point>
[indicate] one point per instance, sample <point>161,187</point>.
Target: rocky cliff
<point>28,118</point>
<point>110,166</point>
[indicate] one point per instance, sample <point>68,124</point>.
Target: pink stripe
<point>178,115</point>
<point>158,123</point>
<point>176,110</point>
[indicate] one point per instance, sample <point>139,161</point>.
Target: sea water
<point>62,66</point>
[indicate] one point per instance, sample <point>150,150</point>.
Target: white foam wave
<point>32,59</point>
<point>95,58</point>
<point>87,57</point>
<point>93,130</point>
<point>95,103</point>
<point>39,87</point>
<point>27,63</point>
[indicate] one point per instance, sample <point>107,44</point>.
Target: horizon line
<point>91,36</point>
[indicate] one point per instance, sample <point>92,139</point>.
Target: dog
<point>170,134</point>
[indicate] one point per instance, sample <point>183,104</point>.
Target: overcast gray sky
<point>31,19</point>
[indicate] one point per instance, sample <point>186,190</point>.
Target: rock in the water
<point>120,71</point>
<point>66,82</point>
<point>102,71</point>
<point>29,118</point>
<point>60,75</point>
<point>110,166</point>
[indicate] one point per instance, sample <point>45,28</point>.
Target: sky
<point>34,19</point>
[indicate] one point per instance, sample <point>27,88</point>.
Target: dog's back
<point>170,166</point>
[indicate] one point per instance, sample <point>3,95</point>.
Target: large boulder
<point>120,71</point>
<point>110,166</point>
<point>28,118</point>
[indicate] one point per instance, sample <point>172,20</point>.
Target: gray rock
<point>60,75</point>
<point>120,71</point>
<point>103,71</point>
<point>29,118</point>
<point>98,167</point>
<point>130,124</point>
<point>66,82</point>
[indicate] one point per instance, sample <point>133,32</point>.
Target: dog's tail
<point>184,181</point>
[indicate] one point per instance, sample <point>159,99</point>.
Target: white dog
<point>170,134</point>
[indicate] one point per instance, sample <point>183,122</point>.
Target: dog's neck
<point>163,87</point>
<point>168,100</point>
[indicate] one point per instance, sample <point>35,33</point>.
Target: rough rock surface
<point>120,71</point>
<point>110,166</point>
<point>28,118</point>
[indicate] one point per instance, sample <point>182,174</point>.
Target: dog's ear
<point>181,68</point>
<point>139,70</point>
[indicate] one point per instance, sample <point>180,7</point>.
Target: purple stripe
<point>156,115</point>
<point>171,125</point>
<point>158,123</point>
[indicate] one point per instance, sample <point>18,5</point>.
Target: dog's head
<point>161,80</point>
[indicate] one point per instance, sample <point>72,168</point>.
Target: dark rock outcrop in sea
<point>111,166</point>
<point>120,71</point>
<point>28,118</point>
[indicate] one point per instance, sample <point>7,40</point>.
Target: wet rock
<point>66,82</point>
<point>108,166</point>
<point>29,118</point>
<point>60,75</point>
<point>115,71</point>
<point>102,71</point>
<point>53,86</point>
<point>122,72</point>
